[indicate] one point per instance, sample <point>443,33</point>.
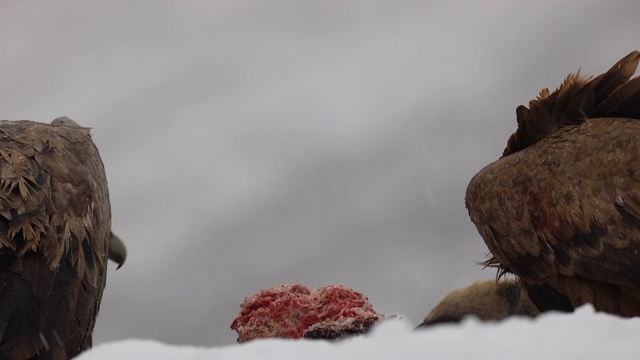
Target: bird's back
<point>55,221</point>
<point>561,208</point>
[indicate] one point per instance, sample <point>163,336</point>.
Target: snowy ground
<point>583,335</point>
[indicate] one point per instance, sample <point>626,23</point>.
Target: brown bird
<point>488,300</point>
<point>55,222</point>
<point>561,208</point>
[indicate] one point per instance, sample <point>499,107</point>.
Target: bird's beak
<point>117,250</point>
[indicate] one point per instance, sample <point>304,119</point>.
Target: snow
<point>584,335</point>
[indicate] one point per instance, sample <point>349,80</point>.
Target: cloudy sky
<point>254,143</point>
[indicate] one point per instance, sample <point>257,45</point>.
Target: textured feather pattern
<point>55,220</point>
<point>561,208</point>
<point>487,300</point>
<point>577,99</point>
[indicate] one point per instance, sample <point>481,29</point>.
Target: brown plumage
<point>55,222</point>
<point>561,208</point>
<point>487,300</point>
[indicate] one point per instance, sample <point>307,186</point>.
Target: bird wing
<point>55,221</point>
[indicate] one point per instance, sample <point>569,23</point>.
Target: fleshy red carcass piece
<point>295,311</point>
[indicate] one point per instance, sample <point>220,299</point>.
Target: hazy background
<point>254,143</point>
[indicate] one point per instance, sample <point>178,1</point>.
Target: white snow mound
<point>583,335</point>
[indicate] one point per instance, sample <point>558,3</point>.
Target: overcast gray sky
<point>255,143</point>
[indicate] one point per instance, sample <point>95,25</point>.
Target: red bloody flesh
<point>287,311</point>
